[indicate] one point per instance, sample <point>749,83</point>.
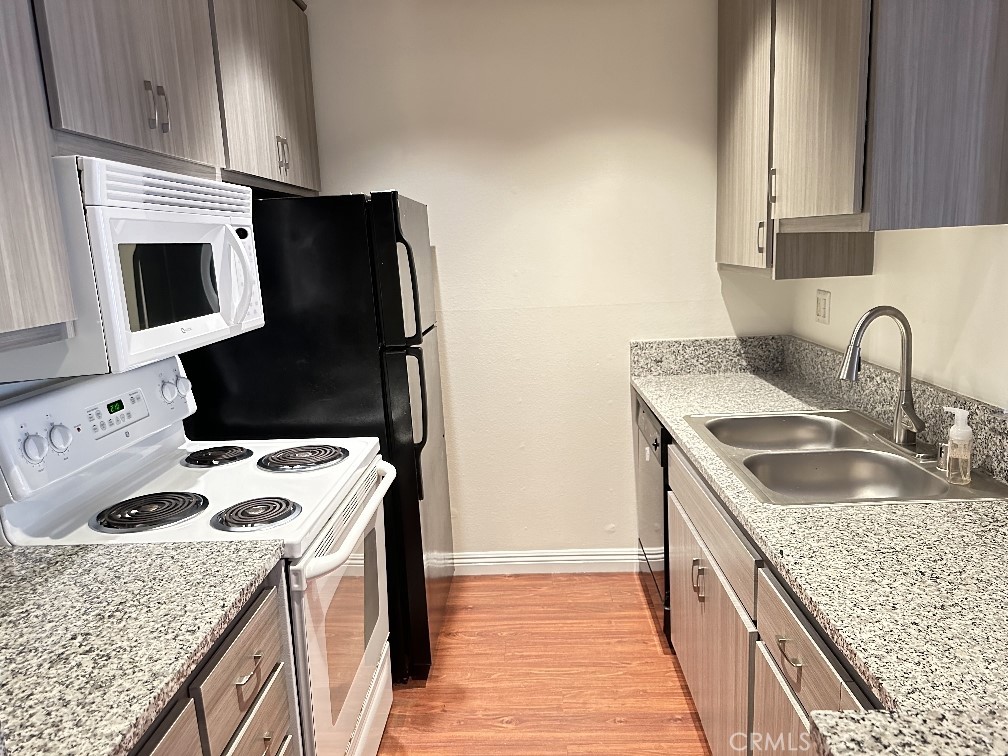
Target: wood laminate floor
<point>547,664</point>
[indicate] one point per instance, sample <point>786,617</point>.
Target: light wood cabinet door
<point>745,52</point>
<point>684,612</point>
<point>179,736</point>
<point>266,85</point>
<point>138,73</point>
<point>246,33</point>
<point>820,86</point>
<point>99,71</point>
<point>298,101</point>
<point>713,637</point>
<point>186,82</point>
<point>780,725</point>
<point>34,282</point>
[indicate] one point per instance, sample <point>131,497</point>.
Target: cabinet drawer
<point>780,725</point>
<point>230,683</point>
<point>726,543</point>
<point>266,730</point>
<point>802,661</point>
<point>179,736</point>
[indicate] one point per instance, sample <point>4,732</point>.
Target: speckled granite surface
<point>94,640</point>
<point>748,354</point>
<point>914,595</point>
<point>931,733</point>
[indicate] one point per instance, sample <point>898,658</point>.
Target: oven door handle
<point>331,562</point>
<point>238,252</point>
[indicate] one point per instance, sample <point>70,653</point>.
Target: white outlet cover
<point>822,308</point>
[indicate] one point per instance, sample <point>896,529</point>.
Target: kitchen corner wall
<point>953,286</point>
<point>566,150</point>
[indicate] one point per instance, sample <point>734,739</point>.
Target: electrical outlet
<point>822,306</point>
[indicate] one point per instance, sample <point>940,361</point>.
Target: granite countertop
<point>913,595</point>
<point>95,640</point>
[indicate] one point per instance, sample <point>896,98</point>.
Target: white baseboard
<point>531,562</point>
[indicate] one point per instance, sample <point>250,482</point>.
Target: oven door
<point>339,609</point>
<point>168,282</point>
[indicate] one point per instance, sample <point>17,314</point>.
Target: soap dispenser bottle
<point>960,448</point>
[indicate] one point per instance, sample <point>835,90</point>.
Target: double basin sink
<point>831,457</point>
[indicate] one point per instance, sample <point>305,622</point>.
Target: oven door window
<point>342,612</point>
<point>167,283</point>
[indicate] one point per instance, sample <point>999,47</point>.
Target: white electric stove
<point>105,460</point>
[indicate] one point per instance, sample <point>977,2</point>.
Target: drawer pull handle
<point>794,661</point>
<point>267,739</point>
<point>256,658</point>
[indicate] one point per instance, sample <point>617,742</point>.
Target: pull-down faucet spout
<point>906,422</point>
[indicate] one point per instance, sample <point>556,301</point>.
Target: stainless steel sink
<point>842,475</point>
<point>828,457</point>
<point>799,431</point>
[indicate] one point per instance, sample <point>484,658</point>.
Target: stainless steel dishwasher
<point>652,549</point>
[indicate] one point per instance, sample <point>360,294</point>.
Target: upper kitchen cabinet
<point>820,80</point>
<point>745,59</point>
<point>939,100</point>
<point>762,114</point>
<point>137,72</point>
<point>35,299</point>
<point>266,90</point>
<point>906,131</point>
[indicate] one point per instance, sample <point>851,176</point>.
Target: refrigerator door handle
<point>417,338</point>
<point>418,446</point>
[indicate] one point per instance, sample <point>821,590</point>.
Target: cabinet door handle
<point>286,145</point>
<point>773,185</point>
<point>700,572</point>
<point>279,147</point>
<point>761,237</point>
<point>794,661</point>
<point>243,681</point>
<point>166,124</point>
<point>267,739</point>
<point>152,118</point>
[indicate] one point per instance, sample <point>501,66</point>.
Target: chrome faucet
<point>906,422</point>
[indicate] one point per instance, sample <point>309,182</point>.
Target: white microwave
<point>160,263</point>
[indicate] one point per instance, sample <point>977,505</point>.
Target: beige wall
<point>951,283</point>
<point>566,150</point>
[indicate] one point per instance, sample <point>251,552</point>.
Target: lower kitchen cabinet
<point>242,699</point>
<point>712,635</point>
<point>754,663</point>
<point>178,736</point>
<point>779,725</point>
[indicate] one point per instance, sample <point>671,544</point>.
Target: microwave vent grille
<point>122,185</point>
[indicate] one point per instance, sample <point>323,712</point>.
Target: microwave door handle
<point>238,251</point>
<point>320,566</point>
<point>209,285</point>
<point>417,338</point>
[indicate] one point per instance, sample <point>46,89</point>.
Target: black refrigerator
<point>350,348</point>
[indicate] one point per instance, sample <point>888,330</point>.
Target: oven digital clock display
<point>117,406</point>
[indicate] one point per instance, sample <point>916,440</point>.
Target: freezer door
<point>424,372</point>
<point>404,267</point>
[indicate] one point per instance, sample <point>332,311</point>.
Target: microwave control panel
<point>49,436</point>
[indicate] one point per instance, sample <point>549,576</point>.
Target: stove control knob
<point>184,386</point>
<point>35,448</point>
<point>60,437</point>
<point>169,391</point>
